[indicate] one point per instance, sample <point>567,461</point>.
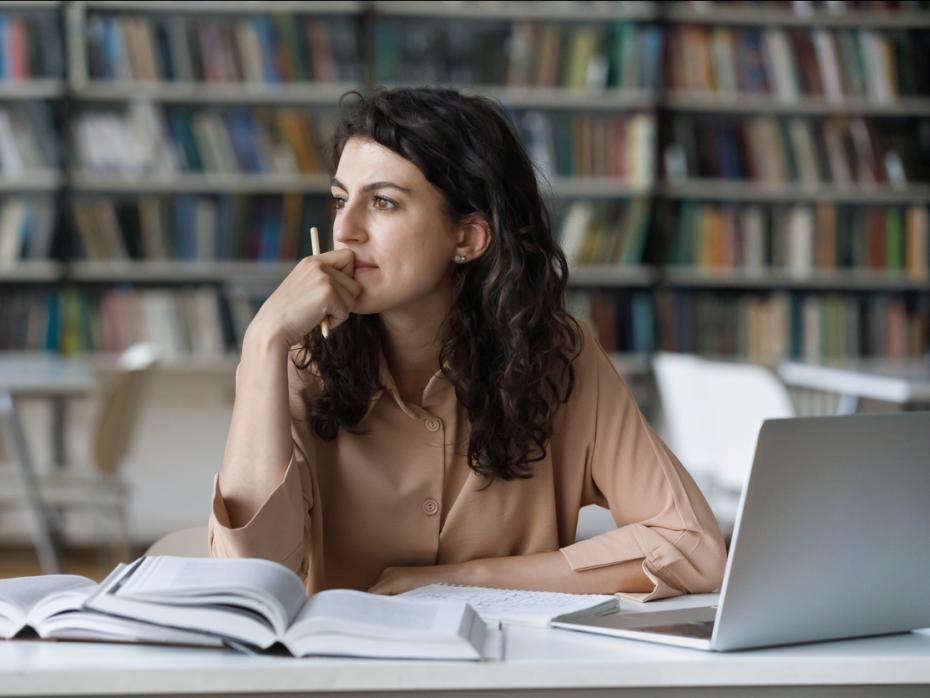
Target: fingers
<point>338,303</point>
<point>346,281</point>
<point>342,259</point>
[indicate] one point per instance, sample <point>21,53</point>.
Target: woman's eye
<point>339,202</point>
<point>385,204</point>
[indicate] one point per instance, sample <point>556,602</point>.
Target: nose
<point>349,226</point>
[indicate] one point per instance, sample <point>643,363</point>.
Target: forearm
<point>258,446</point>
<point>551,572</point>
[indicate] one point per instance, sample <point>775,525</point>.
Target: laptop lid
<point>832,538</point>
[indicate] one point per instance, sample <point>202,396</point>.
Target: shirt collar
<point>432,395</point>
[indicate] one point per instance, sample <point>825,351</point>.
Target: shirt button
<point>430,506</point>
<point>433,424</point>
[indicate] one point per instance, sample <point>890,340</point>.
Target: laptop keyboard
<point>700,630</point>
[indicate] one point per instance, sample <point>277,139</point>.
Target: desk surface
<point>534,659</point>
<point>903,382</point>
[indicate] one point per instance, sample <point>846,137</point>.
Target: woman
<point>455,419</point>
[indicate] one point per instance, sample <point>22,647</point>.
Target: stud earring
<point>459,259</point>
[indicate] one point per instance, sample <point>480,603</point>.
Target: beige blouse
<point>399,492</point>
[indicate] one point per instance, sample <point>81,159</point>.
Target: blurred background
<point>741,189</point>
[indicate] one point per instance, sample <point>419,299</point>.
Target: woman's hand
<point>318,287</point>
<point>397,580</point>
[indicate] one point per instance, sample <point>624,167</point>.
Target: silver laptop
<point>832,540</point>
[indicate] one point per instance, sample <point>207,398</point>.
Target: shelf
<point>530,97</point>
<point>30,182</point>
<point>612,275</point>
<point>741,190</point>
<point>551,10</point>
<point>31,271</point>
<point>174,271</point>
<point>226,183</point>
<point>701,101</point>
<point>818,279</point>
<point>213,93</point>
<point>595,187</point>
<point>32,4</point>
<point>207,7</point>
<point>758,17</point>
<point>37,88</point>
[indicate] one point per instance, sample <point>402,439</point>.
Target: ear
<point>473,237</point>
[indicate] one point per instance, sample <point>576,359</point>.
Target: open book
<point>257,603</point>
<point>51,607</point>
<point>517,607</point>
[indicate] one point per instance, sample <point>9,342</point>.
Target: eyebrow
<point>373,186</point>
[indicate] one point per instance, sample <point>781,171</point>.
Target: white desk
<point>906,383</point>
<point>536,662</point>
<point>47,377</point>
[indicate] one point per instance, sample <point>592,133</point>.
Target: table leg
<point>45,547</point>
<point>848,404</point>
<point>56,516</point>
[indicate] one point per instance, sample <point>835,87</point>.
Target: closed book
<point>917,241</point>
<point>894,239</point>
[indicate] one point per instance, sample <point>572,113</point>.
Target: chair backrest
<point>119,406</point>
<point>739,397</point>
<point>187,542</point>
<point>714,410</point>
<point>688,428</point>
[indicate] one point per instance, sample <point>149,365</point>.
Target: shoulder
<point>591,360</point>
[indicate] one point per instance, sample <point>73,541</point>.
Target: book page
<point>358,612</point>
<point>513,605</point>
<point>342,622</point>
<point>262,586</point>
<point>20,594</point>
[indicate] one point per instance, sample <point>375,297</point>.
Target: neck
<point>411,341</point>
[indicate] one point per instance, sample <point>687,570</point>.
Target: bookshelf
<point>574,100</point>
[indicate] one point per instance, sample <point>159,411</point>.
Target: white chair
<point>187,542</point>
<point>713,413</point>
<point>96,486</point>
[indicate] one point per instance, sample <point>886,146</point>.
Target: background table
<point>906,383</point>
<point>56,379</point>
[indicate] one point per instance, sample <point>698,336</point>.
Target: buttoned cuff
<point>275,532</point>
<point>631,542</point>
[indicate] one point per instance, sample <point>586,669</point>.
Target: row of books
<point>143,138</point>
<point>798,62</point>
<point>801,238</point>
<point>188,321</point>
<point>808,8</point>
<point>609,233</point>
<point>583,145</point>
<point>841,151</point>
<point>30,46</point>
<point>277,48</point>
<point>519,54</point>
<point>203,321</point>
<point>623,322</point>
<point>27,226</point>
<point>814,327</point>
<point>27,139</point>
<point>201,228</point>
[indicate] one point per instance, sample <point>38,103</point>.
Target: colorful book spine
<point>273,48</point>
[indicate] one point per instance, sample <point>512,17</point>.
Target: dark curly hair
<point>507,344</point>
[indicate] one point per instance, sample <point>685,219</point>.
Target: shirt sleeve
<point>662,517</point>
<point>280,529</point>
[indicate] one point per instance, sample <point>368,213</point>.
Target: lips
<point>365,265</point>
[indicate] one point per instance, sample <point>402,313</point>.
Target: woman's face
<point>391,217</point>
